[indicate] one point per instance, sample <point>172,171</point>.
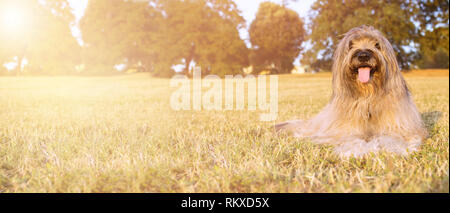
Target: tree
<point>204,32</point>
<point>435,59</point>
<point>44,38</point>
<point>160,34</point>
<point>332,18</point>
<point>276,34</point>
<point>4,57</point>
<point>434,33</point>
<point>52,49</point>
<point>118,32</point>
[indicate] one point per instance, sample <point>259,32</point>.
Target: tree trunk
<point>20,60</point>
<point>188,64</point>
<point>189,59</point>
<point>19,65</point>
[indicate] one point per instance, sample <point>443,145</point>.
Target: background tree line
<point>417,29</point>
<point>45,41</point>
<point>155,35</point>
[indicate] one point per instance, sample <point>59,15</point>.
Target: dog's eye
<point>377,45</point>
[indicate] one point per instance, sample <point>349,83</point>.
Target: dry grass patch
<point>118,134</point>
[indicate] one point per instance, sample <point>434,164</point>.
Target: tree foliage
<point>397,19</point>
<point>116,32</point>
<point>332,18</point>
<point>276,34</point>
<point>160,34</point>
<point>434,35</point>
<point>45,40</point>
<point>156,35</point>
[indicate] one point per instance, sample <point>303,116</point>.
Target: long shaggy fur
<point>365,117</point>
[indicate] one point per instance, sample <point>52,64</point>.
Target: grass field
<point>119,134</point>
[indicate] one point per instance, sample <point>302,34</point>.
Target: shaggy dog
<point>371,108</point>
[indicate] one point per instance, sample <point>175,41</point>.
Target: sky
<point>247,7</point>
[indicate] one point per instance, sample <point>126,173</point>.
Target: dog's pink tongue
<point>364,74</point>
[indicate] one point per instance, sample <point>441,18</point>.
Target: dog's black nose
<point>364,56</point>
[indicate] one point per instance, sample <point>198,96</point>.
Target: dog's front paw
<point>288,126</point>
<point>355,147</point>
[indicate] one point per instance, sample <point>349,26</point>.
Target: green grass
<point>119,134</point>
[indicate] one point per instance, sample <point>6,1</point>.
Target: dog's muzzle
<point>364,68</point>
<point>364,56</point>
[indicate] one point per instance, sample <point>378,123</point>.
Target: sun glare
<point>13,19</point>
